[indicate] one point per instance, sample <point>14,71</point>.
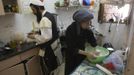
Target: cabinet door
<point>30,53</point>
<point>33,66</point>
<point>16,70</point>
<point>1,8</point>
<point>9,62</point>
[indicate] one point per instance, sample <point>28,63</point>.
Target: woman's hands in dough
<point>89,54</point>
<point>31,35</point>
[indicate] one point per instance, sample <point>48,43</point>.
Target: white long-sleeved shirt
<point>45,26</point>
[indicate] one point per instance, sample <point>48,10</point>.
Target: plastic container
<point>103,53</point>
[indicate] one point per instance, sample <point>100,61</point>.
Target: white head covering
<point>37,2</point>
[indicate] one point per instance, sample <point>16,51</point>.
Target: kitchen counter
<point>25,47</point>
<point>14,63</point>
<point>26,55</point>
<point>85,68</point>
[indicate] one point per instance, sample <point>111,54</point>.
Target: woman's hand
<point>91,55</point>
<point>31,35</point>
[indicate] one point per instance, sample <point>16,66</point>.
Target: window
<point>108,12</point>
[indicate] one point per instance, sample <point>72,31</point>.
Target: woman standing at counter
<point>46,31</point>
<point>76,36</point>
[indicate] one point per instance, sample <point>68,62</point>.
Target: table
<point>85,68</point>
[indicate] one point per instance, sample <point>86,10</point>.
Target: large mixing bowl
<point>103,53</point>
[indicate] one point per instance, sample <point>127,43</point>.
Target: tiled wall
<point>14,23</point>
<point>115,36</point>
<point>23,23</point>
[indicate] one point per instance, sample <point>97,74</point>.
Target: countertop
<point>85,68</point>
<point>25,47</point>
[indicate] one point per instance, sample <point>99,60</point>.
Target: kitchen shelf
<point>9,7</point>
<point>68,7</point>
<point>9,13</point>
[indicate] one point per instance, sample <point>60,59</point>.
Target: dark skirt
<point>50,59</point>
<point>72,62</point>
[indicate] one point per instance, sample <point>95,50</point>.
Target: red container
<point>109,66</point>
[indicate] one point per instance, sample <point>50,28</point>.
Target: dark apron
<point>72,62</point>
<point>50,60</point>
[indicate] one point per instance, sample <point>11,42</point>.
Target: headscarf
<point>82,14</point>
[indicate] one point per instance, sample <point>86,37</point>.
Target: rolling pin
<point>104,69</point>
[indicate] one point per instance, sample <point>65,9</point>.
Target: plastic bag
<point>116,60</point>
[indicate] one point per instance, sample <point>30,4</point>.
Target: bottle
<point>18,48</point>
